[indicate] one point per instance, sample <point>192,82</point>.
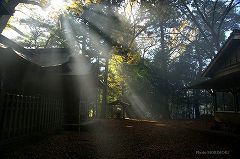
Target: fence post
<point>38,128</point>
<point>29,100</point>
<point>32,113</point>
<point>50,112</point>
<point>34,117</point>
<point>54,113</point>
<point>61,113</point>
<point>42,112</point>
<point>11,116</point>
<point>16,115</point>
<point>4,103</point>
<point>47,112</point>
<point>24,131</point>
<point>21,115</point>
<point>2,111</point>
<point>53,110</point>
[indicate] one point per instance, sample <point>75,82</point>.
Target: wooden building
<point>118,109</point>
<point>42,90</point>
<point>224,80</point>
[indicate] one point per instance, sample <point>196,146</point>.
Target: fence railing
<point>22,115</point>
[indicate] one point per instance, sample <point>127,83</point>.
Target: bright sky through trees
<point>50,11</point>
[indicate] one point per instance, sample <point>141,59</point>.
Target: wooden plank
<point>53,113</point>
<point>50,112</point>
<point>32,113</point>
<point>16,115</point>
<point>21,115</point>
<point>42,112</point>
<point>2,111</point>
<point>25,110</point>
<point>38,113</point>
<point>61,114</point>
<point>56,113</point>
<point>5,115</point>
<point>47,112</point>
<point>28,114</point>
<point>58,102</point>
<point>11,114</point>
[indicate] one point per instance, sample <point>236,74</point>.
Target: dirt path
<point>133,139</point>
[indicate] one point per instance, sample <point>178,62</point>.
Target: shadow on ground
<point>132,139</point>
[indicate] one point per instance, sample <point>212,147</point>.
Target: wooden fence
<point>22,115</point>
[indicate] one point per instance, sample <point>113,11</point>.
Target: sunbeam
<point>82,69</point>
<point>137,104</point>
<point>59,4</point>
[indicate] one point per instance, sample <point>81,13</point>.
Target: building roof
<point>43,57</point>
<point>10,58</point>
<point>228,81</point>
<point>54,59</point>
<point>57,61</point>
<point>46,57</point>
<point>231,43</point>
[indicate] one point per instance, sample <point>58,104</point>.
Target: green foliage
<point>43,33</point>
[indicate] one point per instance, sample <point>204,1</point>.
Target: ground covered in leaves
<point>133,139</point>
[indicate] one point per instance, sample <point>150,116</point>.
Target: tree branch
<point>213,12</point>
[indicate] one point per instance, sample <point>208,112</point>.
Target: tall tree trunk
<point>97,90</point>
<point>197,93</point>
<point>105,91</point>
<point>196,103</point>
<point>164,63</point>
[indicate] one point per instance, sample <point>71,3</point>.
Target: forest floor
<point>133,139</point>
